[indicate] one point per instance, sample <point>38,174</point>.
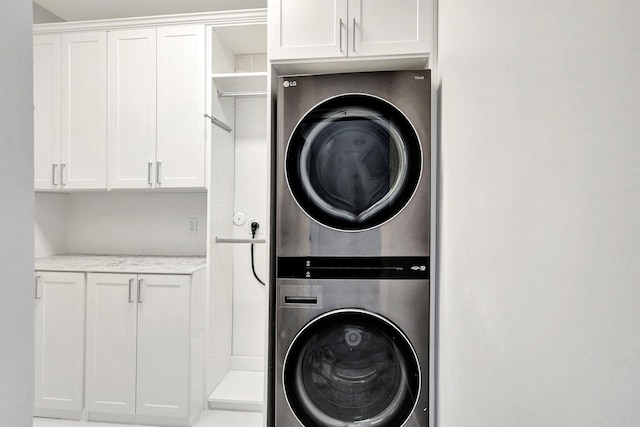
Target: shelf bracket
<point>218,123</point>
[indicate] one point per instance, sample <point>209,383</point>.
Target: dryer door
<point>351,367</point>
<point>353,162</point>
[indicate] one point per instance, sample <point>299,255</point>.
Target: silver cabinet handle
<point>38,280</point>
<point>341,35</point>
<point>54,169</point>
<point>149,173</point>
<point>130,289</point>
<point>62,166</point>
<point>158,173</point>
<point>140,291</point>
<point>354,34</point>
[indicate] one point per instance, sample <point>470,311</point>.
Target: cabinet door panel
<point>111,343</point>
<point>308,29</point>
<point>84,110</point>
<point>132,108</point>
<point>46,112</point>
<point>59,342</point>
<point>389,28</point>
<point>181,93</point>
<point>163,346</point>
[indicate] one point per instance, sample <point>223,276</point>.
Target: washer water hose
<point>254,229</point>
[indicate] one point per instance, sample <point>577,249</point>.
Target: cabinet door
<point>46,111</point>
<point>307,29</point>
<point>163,345</point>
<point>84,110</point>
<point>111,343</point>
<point>181,94</point>
<point>59,340</point>
<point>398,27</point>
<point>132,108</point>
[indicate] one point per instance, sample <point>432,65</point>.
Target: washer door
<point>353,162</point>
<point>351,368</point>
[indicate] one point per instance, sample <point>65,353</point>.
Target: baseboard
<point>139,419</point>
<point>58,413</point>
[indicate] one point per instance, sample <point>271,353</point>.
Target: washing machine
<point>353,164</point>
<point>352,351</point>
<point>349,320</point>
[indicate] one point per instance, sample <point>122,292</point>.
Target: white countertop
<point>121,264</point>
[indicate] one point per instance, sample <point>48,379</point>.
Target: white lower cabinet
<point>141,351</point>
<point>59,344</point>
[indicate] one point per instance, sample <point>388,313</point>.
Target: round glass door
<point>353,162</point>
<point>351,368</point>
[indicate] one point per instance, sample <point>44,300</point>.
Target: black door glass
<point>353,162</point>
<point>351,369</point>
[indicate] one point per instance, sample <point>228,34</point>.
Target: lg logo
<point>290,83</point>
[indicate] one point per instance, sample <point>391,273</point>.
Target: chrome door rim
<point>321,419</point>
<point>392,194</point>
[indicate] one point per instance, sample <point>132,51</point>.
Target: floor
<point>239,391</point>
<point>210,418</point>
<point>237,402</point>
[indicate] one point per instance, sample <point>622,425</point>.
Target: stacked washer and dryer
<point>349,330</point>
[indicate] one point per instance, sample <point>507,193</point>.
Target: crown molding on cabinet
<point>222,18</point>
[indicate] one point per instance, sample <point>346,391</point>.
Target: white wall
<point>540,213</point>
<point>130,223</point>
<point>42,15</point>
<point>250,198</point>
<point>220,255</point>
<point>136,223</point>
<point>16,215</point>
<point>50,224</point>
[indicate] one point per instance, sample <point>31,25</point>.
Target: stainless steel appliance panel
<point>406,233</point>
<point>403,303</point>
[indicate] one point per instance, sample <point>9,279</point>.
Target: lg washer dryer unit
<point>353,164</point>
<point>352,352</point>
<point>349,320</point>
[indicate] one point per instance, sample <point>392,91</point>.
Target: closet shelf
<point>240,84</point>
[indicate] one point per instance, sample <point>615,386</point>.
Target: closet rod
<point>233,240</point>
<point>218,123</point>
<point>241,94</point>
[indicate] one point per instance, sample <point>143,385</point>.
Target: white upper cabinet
<point>120,108</point>
<point>317,29</point>
<point>84,110</point>
<point>156,107</point>
<point>132,108</point>
<point>70,111</point>
<point>181,138</point>
<point>307,29</point>
<point>401,27</point>
<point>47,78</point>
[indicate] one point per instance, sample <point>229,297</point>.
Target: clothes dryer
<point>352,352</point>
<point>353,164</point>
